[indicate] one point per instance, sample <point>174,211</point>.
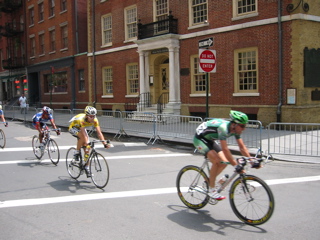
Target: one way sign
<point>206,43</point>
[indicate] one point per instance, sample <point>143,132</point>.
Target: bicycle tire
<point>2,139</point>
<point>53,151</point>
<point>99,170</point>
<point>36,147</point>
<point>192,185</point>
<point>73,168</point>
<point>256,210</point>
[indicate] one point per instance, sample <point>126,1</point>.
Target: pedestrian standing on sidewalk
<point>23,104</point>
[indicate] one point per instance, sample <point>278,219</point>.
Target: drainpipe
<point>279,112</point>
<point>94,53</point>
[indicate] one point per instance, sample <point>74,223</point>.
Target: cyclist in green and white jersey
<point>207,133</point>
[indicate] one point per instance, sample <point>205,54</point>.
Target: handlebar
<point>255,162</point>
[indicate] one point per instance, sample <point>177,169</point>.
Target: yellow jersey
<point>79,121</point>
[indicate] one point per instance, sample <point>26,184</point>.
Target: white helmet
<point>90,110</point>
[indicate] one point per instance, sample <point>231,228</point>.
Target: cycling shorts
<point>204,146</point>
<point>74,131</point>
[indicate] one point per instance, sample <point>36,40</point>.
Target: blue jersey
<point>1,112</point>
<point>38,118</point>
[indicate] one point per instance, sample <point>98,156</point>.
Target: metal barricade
<point>301,139</point>
<point>175,127</point>
<point>140,124</point>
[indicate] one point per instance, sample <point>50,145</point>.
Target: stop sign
<point>207,60</point>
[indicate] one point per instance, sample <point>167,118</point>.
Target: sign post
<point>207,63</point>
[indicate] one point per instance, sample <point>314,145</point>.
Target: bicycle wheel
<point>192,185</point>
<point>36,147</point>
<point>2,139</point>
<point>73,167</point>
<point>99,170</point>
<point>53,151</point>
<point>251,200</point>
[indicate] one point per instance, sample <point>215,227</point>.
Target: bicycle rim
<point>53,151</point>
<point>73,167</point>
<point>99,170</point>
<point>36,147</point>
<point>192,186</point>
<point>251,200</point>
<point>2,139</point>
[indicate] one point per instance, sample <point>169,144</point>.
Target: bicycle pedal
<point>213,201</point>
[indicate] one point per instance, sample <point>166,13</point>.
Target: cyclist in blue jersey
<point>39,120</point>
<point>207,133</point>
<point>2,117</point>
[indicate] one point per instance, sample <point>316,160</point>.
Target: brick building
<point>12,50</point>
<point>57,41</point>
<point>261,49</point>
<point>143,55</point>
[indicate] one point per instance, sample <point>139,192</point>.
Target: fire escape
<point>13,31</point>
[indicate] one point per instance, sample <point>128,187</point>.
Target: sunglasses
<point>242,125</point>
<point>91,116</point>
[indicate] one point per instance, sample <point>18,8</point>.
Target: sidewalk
<point>282,145</point>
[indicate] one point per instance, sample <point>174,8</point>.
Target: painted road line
<point>108,158</point>
<point>113,195</point>
<point>22,149</point>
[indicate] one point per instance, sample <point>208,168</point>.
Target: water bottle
<point>222,180</point>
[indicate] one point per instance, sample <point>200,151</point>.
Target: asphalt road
<point>40,201</point>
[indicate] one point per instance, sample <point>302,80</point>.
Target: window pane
<point>247,70</point>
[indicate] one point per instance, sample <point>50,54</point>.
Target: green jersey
<point>215,129</point>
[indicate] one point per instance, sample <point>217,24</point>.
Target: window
<point>198,79</point>
<point>311,67</point>
<point>64,37</point>
<point>81,80</point>
<point>246,70</point>
<point>161,10</point>
<point>51,8</point>
<point>63,5</point>
<point>241,8</point>
<point>56,82</point>
<point>31,16</point>
<point>107,81</point>
<point>131,22</point>
<point>107,30</point>
<point>199,12</point>
<point>52,34</point>
<point>32,46</point>
<point>41,44</point>
<point>41,11</point>
<point>132,79</point>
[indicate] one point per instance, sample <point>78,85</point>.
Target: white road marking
<point>62,159</point>
<point>136,193</point>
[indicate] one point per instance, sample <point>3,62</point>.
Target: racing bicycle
<point>2,137</point>
<point>49,145</point>
<point>98,165</point>
<point>250,197</point>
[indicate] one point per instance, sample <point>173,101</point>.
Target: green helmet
<point>238,117</point>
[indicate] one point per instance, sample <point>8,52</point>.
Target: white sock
<point>212,189</point>
<point>76,152</point>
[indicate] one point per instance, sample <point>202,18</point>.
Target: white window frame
<point>192,23</point>
<point>107,79</point>
<point>131,27</point>
<point>194,67</point>
<point>248,14</point>
<point>246,73</point>
<point>132,77</point>
<point>106,30</point>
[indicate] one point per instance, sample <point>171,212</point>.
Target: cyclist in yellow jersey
<point>77,128</point>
